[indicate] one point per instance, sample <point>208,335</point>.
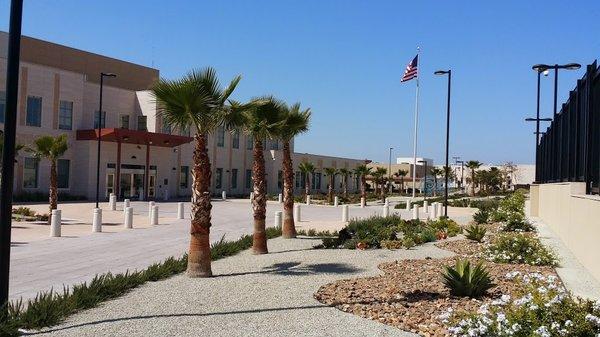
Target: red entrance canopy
<point>134,137</point>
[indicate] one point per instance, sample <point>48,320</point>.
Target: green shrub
<point>329,243</point>
<point>513,204</point>
<point>391,244</point>
<point>481,216</point>
<point>476,233</point>
<point>516,222</point>
<point>26,211</point>
<point>427,235</point>
<point>408,242</point>
<point>520,249</point>
<point>463,280</point>
<point>447,225</point>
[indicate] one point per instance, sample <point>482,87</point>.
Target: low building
<point>140,157</point>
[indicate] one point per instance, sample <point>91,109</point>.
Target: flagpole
<point>414,172</point>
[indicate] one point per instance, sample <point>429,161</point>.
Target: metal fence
<point>570,148</point>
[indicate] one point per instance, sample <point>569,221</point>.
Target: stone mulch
<point>462,248</point>
<point>411,295</point>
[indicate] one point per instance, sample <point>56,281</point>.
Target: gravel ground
<point>266,295</point>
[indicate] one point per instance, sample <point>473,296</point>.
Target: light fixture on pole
<point>102,76</point>
<point>390,170</point>
<point>449,73</point>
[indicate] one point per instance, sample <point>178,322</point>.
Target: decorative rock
<point>97,220</point>
<point>55,223</point>
<point>128,217</point>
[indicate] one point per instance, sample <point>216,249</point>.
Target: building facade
<point>140,157</point>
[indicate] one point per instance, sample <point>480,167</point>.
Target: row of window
<point>31,167</point>
<point>235,140</point>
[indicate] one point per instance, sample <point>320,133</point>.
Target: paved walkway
<point>266,295</point>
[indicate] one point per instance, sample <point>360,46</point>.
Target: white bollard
<point>112,202</point>
<point>223,195</point>
<point>128,217</point>
<point>426,206</point>
<point>363,202</point>
<point>126,203</point>
<point>280,198</point>
<point>336,201</point>
<point>386,211</point>
<point>55,223</point>
<point>415,214</point>
<point>345,213</point>
<point>308,199</point>
<point>408,204</point>
<point>251,196</point>
<point>297,212</point>
<point>180,210</point>
<point>433,211</point>
<point>278,216</point>
<point>97,220</point>
<point>440,211</point>
<point>154,217</point>
<point>150,206</point>
<point>386,202</point>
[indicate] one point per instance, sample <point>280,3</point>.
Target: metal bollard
<point>223,195</point>
<point>280,198</point>
<point>363,202</point>
<point>97,220</point>
<point>415,214</point>
<point>55,223</point>
<point>297,212</point>
<point>336,201</point>
<point>128,217</point>
<point>344,213</point>
<point>150,206</point>
<point>180,210</point>
<point>386,211</point>
<point>112,202</point>
<point>154,217</point>
<point>278,216</point>
<point>308,199</point>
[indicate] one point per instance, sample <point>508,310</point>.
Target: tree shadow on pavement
<point>300,269</point>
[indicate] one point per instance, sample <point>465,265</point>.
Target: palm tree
<point>401,174</point>
<point>50,148</point>
<point>435,172</point>
<point>307,169</point>
<point>344,172</point>
<point>260,119</point>
<point>363,171</point>
<point>379,179</point>
<point>196,101</point>
<point>473,165</point>
<point>294,122</point>
<point>330,172</point>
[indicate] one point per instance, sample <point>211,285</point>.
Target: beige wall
<point>573,216</point>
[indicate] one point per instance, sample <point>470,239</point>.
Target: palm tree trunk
<point>382,191</point>
<point>345,182</point>
<point>199,254</point>
<point>53,195</point>
<point>306,186</point>
<point>288,229</point>
<point>472,182</point>
<point>363,187</point>
<point>259,204</point>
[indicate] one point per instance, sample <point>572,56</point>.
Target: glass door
<point>125,186</point>
<point>110,184</point>
<point>151,186</point>
<point>138,186</point>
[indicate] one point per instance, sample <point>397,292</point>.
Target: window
<point>184,176</point>
<point>248,178</point>
<point>234,174</point>
<point>142,123</point>
<point>316,181</point>
<point>102,119</point>
<point>34,111</point>
<point>275,144</point>
<point>279,179</point>
<point>220,136</point>
<point>63,168</point>
<point>166,128</point>
<point>124,122</point>
<point>249,143</point>
<point>219,178</point>
<point>30,173</point>
<point>235,140</point>
<point>65,115</point>
<point>2,106</point>
<point>298,179</point>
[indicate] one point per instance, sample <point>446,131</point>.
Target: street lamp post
<point>102,75</point>
<point>449,73</point>
<point>8,155</point>
<point>462,172</point>
<point>390,170</point>
<point>424,179</point>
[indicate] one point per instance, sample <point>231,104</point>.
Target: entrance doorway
<point>131,182</point>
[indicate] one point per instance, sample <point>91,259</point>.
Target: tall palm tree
<point>294,121</point>
<point>379,178</point>
<point>435,173</point>
<point>196,101</point>
<point>401,174</point>
<point>345,173</point>
<point>473,165</point>
<point>307,169</point>
<point>363,171</point>
<point>260,119</point>
<point>330,172</point>
<point>50,148</point>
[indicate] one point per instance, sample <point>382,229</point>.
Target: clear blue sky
<point>344,59</point>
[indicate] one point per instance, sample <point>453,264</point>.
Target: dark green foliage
<point>464,280</point>
<point>476,233</point>
<point>446,225</point>
<point>516,222</point>
<point>50,308</point>
<point>481,216</point>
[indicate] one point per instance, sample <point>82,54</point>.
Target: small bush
<point>391,244</point>
<point>520,249</point>
<point>481,216</point>
<point>408,242</point>
<point>463,280</point>
<point>476,233</point>
<point>428,235</point>
<point>447,225</point>
<point>513,204</point>
<point>329,243</point>
<point>26,211</point>
<point>516,222</point>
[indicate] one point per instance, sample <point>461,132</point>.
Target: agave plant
<point>481,216</point>
<point>476,233</point>
<point>463,280</point>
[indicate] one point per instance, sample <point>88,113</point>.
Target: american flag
<point>411,70</point>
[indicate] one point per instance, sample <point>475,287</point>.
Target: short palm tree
<point>260,119</point>
<point>294,121</point>
<point>473,165</point>
<point>379,178</point>
<point>196,101</point>
<point>401,174</point>
<point>344,173</point>
<point>363,171</point>
<point>330,172</point>
<point>435,173</point>
<point>307,169</point>
<point>51,148</point>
